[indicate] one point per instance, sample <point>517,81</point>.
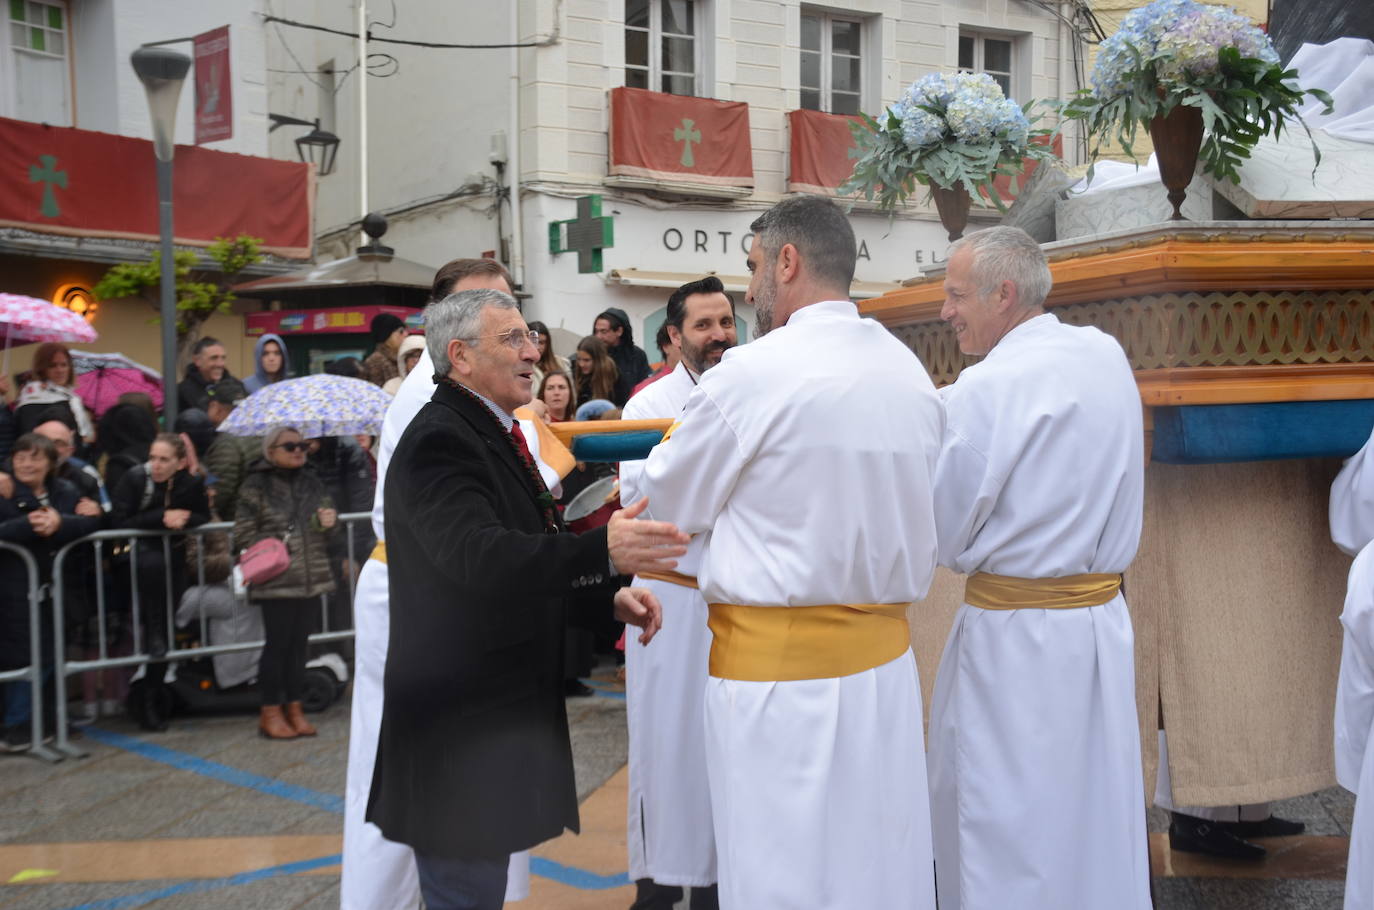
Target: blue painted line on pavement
<point>605,690</point>
<point>575,877</point>
<point>572,876</point>
<point>235,776</point>
<point>144,898</point>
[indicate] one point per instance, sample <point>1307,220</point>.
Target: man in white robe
<point>811,488</point>
<point>1352,529</point>
<point>379,874</point>
<point>669,832</point>
<point>1035,774</point>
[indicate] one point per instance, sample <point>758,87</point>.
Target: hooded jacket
<point>260,376</point>
<point>631,361</point>
<point>412,343</point>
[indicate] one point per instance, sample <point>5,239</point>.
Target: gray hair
<point>818,229</point>
<point>459,317</point>
<point>1006,253</point>
<point>274,434</point>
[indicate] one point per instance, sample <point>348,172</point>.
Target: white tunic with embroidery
<point>669,831</point>
<point>804,461</point>
<point>1036,790</point>
<point>379,874</point>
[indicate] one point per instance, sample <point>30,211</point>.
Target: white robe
<point>811,485</point>
<point>1352,502</point>
<point>1355,727</point>
<point>668,832</point>
<point>1035,774</point>
<point>379,874</point>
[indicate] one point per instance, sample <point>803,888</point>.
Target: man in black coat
<point>208,366</point>
<point>474,761</point>
<point>613,328</point>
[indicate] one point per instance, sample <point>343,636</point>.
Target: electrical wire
<point>427,44</point>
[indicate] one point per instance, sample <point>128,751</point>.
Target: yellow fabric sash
<point>777,644</point>
<point>1004,592</point>
<point>379,552</point>
<point>671,577</point>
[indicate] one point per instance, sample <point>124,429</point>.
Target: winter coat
<point>227,462</point>
<point>633,365</point>
<point>191,390</point>
<point>14,575</point>
<point>379,367</point>
<point>346,471</point>
<point>279,503</point>
<point>139,503</point>
<point>260,377</point>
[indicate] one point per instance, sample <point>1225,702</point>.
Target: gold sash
<point>671,577</point>
<point>1005,592</point>
<point>379,552</point>
<point>777,644</point>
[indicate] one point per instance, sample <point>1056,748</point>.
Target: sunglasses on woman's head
<point>292,446</point>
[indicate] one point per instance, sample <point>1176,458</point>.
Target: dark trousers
<point>286,625</point>
<point>650,895</point>
<point>462,884</point>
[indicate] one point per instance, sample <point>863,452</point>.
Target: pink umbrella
<point>24,320</point>
<point>102,378</point>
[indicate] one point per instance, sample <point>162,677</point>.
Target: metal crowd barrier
<point>103,543</point>
<point>33,673</point>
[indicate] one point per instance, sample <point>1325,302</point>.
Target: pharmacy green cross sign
<point>587,234</point>
<point>49,176</point>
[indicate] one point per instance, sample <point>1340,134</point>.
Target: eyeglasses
<point>292,446</point>
<point>514,339</point>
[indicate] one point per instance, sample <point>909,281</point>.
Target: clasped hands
<point>637,547</point>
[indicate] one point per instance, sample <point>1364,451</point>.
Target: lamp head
<point>162,72</point>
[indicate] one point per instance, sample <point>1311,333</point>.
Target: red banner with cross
<point>679,138</point>
<point>58,180</point>
<point>819,159</point>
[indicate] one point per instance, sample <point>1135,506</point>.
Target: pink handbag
<point>264,561</point>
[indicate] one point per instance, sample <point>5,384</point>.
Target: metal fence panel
<point>33,672</point>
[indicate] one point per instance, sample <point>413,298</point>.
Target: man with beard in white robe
<point>669,831</point>
<point>1352,529</point>
<point>1035,772</point>
<point>379,874</point>
<point>811,489</point>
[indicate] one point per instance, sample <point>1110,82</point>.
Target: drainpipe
<point>517,222</point>
<point>362,108</point>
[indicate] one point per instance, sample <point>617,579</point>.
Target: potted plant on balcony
<point>954,133</point>
<point>1203,79</point>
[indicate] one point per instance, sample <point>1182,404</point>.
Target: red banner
<point>214,87</point>
<point>1003,184</point>
<point>819,161</point>
<point>335,321</point>
<point>58,180</point>
<point>679,138</point>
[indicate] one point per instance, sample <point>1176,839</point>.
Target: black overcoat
<point>473,759</point>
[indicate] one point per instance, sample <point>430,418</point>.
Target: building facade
<point>452,135</point>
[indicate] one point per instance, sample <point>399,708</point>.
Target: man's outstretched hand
<point>643,546</point>
<point>639,607</point>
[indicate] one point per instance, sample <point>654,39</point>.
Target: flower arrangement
<point>1173,53</point>
<point>947,131</point>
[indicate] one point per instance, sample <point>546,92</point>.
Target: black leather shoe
<point>1273,826</point>
<point>1195,835</point>
<point>575,688</point>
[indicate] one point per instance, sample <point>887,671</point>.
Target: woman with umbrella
<point>50,394</point>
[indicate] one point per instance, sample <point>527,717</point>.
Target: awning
<point>859,290</point>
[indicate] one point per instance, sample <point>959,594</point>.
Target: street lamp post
<point>162,71</point>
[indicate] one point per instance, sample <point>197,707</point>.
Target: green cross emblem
<point>587,234</point>
<point>49,176</point>
<point>687,134</point>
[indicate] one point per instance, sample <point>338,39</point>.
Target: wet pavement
<point>209,815</point>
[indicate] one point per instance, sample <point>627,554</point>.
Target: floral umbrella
<point>320,405</point>
<point>25,320</point>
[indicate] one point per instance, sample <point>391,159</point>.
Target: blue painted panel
<point>1216,433</point>
<point>615,446</point>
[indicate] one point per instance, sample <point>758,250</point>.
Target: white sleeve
<point>964,493</point>
<point>1355,686</point>
<point>689,477</point>
<point>1352,502</point>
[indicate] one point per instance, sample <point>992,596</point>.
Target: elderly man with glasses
<point>474,761</point>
